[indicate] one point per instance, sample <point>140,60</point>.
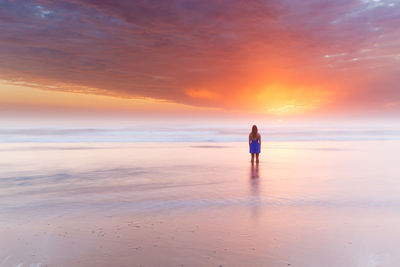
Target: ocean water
<point>192,198</point>
<point>168,132</point>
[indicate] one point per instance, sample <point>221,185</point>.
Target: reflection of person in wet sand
<point>254,194</point>
<point>254,143</point>
<point>254,173</point>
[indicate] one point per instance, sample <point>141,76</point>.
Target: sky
<point>289,58</point>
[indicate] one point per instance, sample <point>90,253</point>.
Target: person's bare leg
<point>257,161</point>
<point>252,158</point>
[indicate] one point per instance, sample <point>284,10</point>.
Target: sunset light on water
<point>199,133</point>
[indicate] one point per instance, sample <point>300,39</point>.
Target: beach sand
<point>200,204</point>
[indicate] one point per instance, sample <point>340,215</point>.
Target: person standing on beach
<point>254,143</point>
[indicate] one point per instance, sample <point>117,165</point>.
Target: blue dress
<point>254,147</point>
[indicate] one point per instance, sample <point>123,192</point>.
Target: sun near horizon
<point>253,57</point>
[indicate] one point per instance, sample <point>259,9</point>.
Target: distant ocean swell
<point>190,134</point>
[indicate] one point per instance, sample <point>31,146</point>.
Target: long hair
<point>254,132</point>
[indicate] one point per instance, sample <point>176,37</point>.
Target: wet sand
<point>199,204</point>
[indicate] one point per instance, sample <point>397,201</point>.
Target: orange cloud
<point>27,99</point>
<point>203,94</point>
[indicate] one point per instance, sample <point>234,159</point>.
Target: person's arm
<point>259,140</point>
<point>249,140</point>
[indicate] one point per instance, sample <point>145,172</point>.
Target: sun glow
<point>287,100</point>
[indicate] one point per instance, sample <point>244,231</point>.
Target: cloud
<point>202,94</point>
<point>159,49</point>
